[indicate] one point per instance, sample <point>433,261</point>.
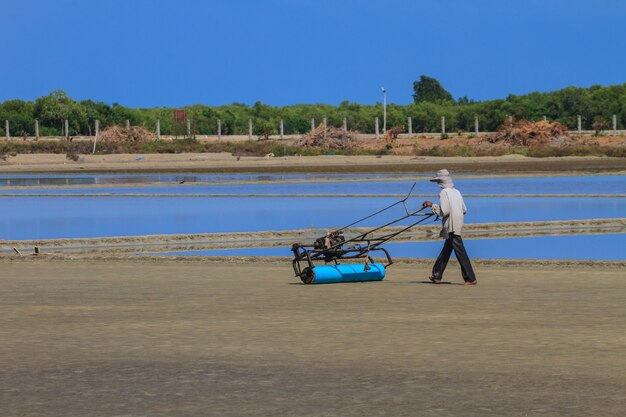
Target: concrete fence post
<point>312,124</point>
<point>158,129</point>
<point>410,123</point>
<point>95,138</point>
<point>249,129</point>
<point>6,129</point>
<point>67,128</point>
<point>510,119</point>
<point>188,128</point>
<point>614,123</point>
<point>476,127</point>
<point>443,125</point>
<point>325,122</point>
<point>579,121</point>
<point>345,125</point>
<point>376,128</point>
<point>545,119</point>
<point>219,129</point>
<point>36,129</point>
<point>127,124</point>
<point>282,128</point>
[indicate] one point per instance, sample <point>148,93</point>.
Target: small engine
<point>331,239</point>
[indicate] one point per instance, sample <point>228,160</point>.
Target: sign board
<point>180,116</point>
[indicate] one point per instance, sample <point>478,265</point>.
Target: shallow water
<point>316,184</point>
<point>38,180</point>
<point>76,217</point>
<point>605,247</point>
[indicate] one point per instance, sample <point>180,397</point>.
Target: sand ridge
<point>285,238</point>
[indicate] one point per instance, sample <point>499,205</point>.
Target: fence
<point>266,130</point>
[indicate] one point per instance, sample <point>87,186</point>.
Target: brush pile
<point>525,133</point>
<point>122,134</point>
<point>328,138</point>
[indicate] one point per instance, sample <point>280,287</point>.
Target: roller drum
<point>330,274</point>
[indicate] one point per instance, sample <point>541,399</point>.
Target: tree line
<point>596,105</point>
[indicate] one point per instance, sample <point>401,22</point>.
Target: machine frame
<point>334,247</point>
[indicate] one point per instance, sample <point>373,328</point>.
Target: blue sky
<point>146,53</point>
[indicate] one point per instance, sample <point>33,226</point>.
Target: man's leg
<point>461,255</point>
<point>442,259</point>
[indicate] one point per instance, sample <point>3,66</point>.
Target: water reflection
<point>555,185</point>
<point>15,180</point>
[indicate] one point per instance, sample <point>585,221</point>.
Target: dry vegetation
<point>326,137</point>
<point>525,133</point>
<point>126,134</point>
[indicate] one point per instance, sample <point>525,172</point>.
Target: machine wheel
<point>307,276</point>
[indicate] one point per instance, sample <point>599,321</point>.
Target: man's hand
<point>427,204</point>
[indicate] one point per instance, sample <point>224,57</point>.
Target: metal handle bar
<point>380,211</point>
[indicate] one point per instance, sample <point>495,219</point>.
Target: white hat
<point>443,176</point>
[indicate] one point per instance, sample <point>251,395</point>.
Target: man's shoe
<point>470,282</point>
<point>434,280</point>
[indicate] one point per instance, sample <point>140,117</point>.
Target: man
<point>451,210</point>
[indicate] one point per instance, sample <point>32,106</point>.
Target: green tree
<point>19,113</point>
<point>53,109</point>
<point>264,128</point>
<point>428,89</point>
<point>432,101</point>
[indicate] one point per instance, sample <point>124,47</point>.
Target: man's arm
<point>442,209</point>
<point>434,207</point>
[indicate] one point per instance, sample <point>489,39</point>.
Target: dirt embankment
<point>227,163</point>
<point>114,246</point>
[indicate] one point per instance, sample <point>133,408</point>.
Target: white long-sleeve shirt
<point>451,210</point>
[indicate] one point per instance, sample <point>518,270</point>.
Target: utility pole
<point>97,132</point>
<point>384,110</point>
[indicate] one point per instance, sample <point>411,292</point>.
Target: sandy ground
<point>226,163</point>
<point>177,339</point>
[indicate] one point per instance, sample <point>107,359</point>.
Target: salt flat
<point>165,338</point>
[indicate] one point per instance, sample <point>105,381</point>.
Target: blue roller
<point>330,274</point>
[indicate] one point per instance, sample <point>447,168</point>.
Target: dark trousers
<point>454,242</point>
